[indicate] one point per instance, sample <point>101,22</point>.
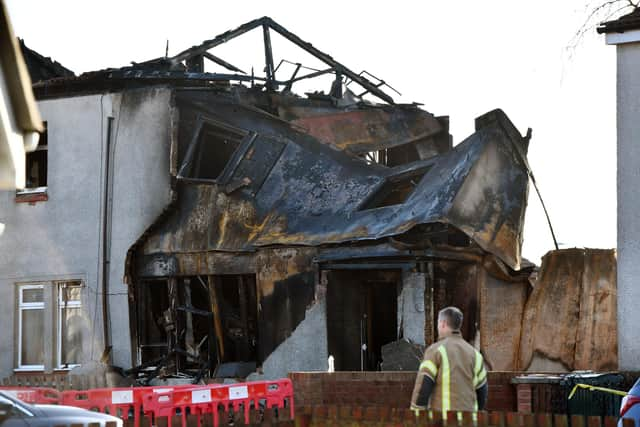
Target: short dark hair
<point>453,316</point>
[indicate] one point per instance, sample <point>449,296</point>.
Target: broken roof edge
<point>52,66</point>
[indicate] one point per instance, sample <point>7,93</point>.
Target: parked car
<point>630,408</point>
<point>15,413</point>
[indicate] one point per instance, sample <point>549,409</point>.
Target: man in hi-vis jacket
<point>452,376</point>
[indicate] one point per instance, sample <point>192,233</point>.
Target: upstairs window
<point>36,167</point>
<point>394,191</point>
<point>210,151</point>
<point>215,148</point>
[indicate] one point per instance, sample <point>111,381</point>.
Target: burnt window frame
<point>375,194</point>
<point>246,139</point>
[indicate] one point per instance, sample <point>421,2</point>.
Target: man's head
<point>449,321</point>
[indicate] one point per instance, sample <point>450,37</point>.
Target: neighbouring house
<point>219,225</point>
<point>624,33</point>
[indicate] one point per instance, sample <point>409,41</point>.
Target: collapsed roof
<point>327,169</point>
<point>284,187</point>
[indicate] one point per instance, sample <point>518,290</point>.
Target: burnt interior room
<point>361,316</point>
<point>200,325</point>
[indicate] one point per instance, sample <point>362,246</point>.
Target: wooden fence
<point>339,416</point>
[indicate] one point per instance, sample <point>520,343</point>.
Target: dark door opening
<point>361,317</point>
<point>152,302</point>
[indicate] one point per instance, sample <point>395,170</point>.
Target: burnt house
<point>271,230</point>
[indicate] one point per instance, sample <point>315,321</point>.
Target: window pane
<point>71,291</point>
<point>32,337</point>
<point>33,295</point>
<point>71,336</point>
<point>36,169</point>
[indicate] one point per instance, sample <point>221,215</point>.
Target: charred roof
<point>42,68</point>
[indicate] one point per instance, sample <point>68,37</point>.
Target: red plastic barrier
<point>196,400</point>
<point>46,396</point>
<point>274,394</point>
<point>200,400</point>
<point>167,401</point>
<point>119,402</point>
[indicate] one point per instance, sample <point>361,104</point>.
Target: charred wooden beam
<point>172,334</point>
<point>218,40</point>
<point>215,309</point>
<point>222,62</point>
<point>189,338</point>
<point>268,56</point>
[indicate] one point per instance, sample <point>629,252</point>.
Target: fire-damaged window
<point>210,150</point>
<point>36,164</point>
<point>199,325</point>
<point>394,191</point>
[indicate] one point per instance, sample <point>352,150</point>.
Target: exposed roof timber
<point>222,62</point>
<point>267,23</point>
<point>268,57</point>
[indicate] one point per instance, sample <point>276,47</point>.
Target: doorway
<point>361,316</point>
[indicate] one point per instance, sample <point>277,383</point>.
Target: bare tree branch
<point>604,11</point>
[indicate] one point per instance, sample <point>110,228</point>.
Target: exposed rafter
<point>193,55</point>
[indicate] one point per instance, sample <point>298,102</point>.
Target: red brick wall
<point>353,388</point>
<point>502,394</point>
<point>391,389</point>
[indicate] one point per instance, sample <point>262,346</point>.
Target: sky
<point>459,59</point>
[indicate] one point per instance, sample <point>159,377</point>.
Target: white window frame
<point>28,306</point>
<point>60,285</point>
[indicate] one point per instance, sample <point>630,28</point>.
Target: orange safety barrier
<point>119,402</point>
<point>167,401</point>
<point>209,399</point>
<point>273,394</point>
<point>33,395</point>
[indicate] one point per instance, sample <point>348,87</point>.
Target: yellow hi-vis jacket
<point>457,369</point>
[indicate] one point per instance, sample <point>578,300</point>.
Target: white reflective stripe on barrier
<point>241,392</point>
<point>201,396</point>
<point>122,396</point>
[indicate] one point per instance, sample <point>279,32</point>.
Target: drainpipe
<point>106,238</point>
